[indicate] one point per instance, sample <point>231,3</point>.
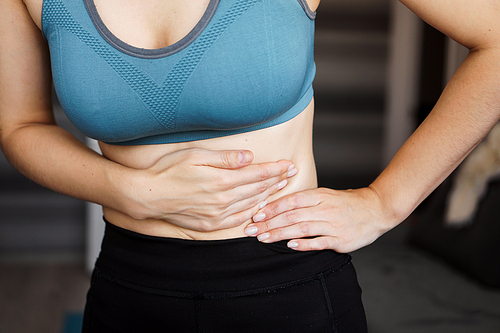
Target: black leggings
<point>154,284</point>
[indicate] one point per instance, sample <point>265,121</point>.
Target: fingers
<point>283,212</point>
<point>257,192</point>
<point>274,221</point>
<point>289,204</point>
<point>298,234</point>
<point>226,159</point>
<point>241,217</point>
<point>302,236</point>
<point>251,180</point>
<point>293,224</point>
<point>225,169</point>
<point>247,200</point>
<point>315,244</point>
<point>259,172</point>
<point>294,217</point>
<point>236,206</point>
<point>238,166</point>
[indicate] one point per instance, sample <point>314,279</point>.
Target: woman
<point>193,104</point>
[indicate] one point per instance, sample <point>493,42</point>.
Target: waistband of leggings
<point>215,265</point>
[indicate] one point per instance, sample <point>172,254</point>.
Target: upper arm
<point>472,23</point>
<point>25,80</point>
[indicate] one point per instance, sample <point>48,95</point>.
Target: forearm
<point>54,158</point>
<point>468,108</point>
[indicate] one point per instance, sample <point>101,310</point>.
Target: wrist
<point>391,212</point>
<point>124,186</point>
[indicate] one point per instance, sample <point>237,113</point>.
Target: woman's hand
<point>205,190</point>
<point>468,108</point>
<point>320,219</point>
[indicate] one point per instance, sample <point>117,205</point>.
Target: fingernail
<point>243,157</point>
<point>263,237</point>
<point>263,204</point>
<point>282,184</point>
<point>291,167</point>
<point>259,217</point>
<point>251,231</point>
<point>292,244</point>
<point>292,172</point>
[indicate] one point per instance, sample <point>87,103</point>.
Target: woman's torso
<point>158,24</point>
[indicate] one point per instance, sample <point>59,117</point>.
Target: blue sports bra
<point>247,65</point>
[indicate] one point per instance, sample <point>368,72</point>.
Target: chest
<point>243,64</point>
<point>150,24</point>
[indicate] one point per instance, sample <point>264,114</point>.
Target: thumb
<point>231,159</point>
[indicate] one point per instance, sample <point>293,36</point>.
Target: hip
<point>153,284</point>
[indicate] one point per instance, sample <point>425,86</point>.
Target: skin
<point>467,110</point>
<point>207,189</point>
<point>215,202</point>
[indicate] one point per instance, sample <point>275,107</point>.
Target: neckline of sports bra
<point>150,53</point>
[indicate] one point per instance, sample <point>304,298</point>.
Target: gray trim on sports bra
<point>309,12</point>
<point>150,53</point>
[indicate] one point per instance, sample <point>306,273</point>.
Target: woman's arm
<point>468,108</point>
<point>38,148</point>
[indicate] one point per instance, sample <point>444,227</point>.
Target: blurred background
<point>380,70</point>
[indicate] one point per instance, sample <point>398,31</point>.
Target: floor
<point>404,291</point>
<point>34,297</point>
<point>409,291</point>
